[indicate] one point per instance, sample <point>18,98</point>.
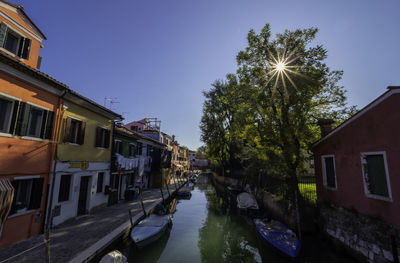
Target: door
<point>83,193</point>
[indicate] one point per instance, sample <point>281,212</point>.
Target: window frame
<point>132,145</point>
<point>29,194</point>
<point>13,101</point>
<point>366,190</point>
<point>21,41</point>
<point>79,129</point>
<point>324,178</point>
<point>119,149</point>
<point>104,142</point>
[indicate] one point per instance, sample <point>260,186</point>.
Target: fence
<point>308,189</point>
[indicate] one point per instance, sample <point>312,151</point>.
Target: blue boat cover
<point>278,235</point>
<point>149,227</point>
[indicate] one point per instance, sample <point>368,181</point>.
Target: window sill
<point>22,213</point>
<point>32,138</point>
<point>379,197</point>
<point>3,134</point>
<point>330,188</point>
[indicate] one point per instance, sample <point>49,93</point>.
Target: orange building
<point>29,120</point>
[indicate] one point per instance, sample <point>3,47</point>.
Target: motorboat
<point>247,203</point>
<point>274,234</point>
<point>150,229</point>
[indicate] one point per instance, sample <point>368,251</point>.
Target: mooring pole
<point>47,240</point>
<point>130,217</point>
<point>162,195</point>
<point>394,249</point>
<point>176,188</point>
<point>166,183</point>
<point>141,201</point>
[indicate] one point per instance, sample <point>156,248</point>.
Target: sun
<point>280,66</point>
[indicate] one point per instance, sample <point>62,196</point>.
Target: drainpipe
<point>49,218</point>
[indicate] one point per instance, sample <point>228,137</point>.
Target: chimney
<point>325,126</point>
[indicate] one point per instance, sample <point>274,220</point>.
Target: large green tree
<point>266,114</point>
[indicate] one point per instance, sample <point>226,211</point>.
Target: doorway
<point>83,193</point>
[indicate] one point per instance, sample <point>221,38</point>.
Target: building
<point>83,156</point>
<point>29,120</point>
<point>358,178</point>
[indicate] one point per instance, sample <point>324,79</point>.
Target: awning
<point>6,198</point>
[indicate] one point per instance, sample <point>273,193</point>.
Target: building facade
<point>82,160</point>
<point>358,177</point>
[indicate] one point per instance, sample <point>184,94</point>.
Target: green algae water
<point>207,228</point>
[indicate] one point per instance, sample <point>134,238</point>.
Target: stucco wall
<point>376,130</point>
<point>88,151</point>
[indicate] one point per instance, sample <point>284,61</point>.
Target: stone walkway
<point>69,239</point>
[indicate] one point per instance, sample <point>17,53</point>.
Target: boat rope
<point>23,252</point>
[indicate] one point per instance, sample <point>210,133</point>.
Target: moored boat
<point>114,257</point>
<point>247,203</point>
<point>150,229</point>
<point>234,189</point>
<point>277,235</point>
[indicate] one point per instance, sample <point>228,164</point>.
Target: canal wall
<point>368,239</point>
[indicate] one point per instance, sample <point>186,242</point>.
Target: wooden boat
<point>247,202</point>
<point>150,229</point>
<point>275,234</point>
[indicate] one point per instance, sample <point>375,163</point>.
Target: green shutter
<point>36,193</point>
<point>49,125</point>
<point>44,124</point>
<point>330,172</point>
<point>377,175</point>
<point>23,118</point>
<point>14,117</point>
<point>26,48</point>
<point>3,33</point>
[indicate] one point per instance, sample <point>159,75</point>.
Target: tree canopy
<point>263,118</point>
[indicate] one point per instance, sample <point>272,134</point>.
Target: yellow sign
<point>82,165</point>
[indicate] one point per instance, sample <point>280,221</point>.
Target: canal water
<point>206,228</point>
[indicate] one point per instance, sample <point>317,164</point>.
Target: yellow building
<point>83,156</point>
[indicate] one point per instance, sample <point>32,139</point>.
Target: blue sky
<point>157,56</point>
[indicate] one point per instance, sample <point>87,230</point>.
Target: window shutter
<point>23,118</point>
<point>3,32</point>
<point>20,47</point>
<point>98,137</point>
<point>44,124</point>
<point>36,193</point>
<point>81,133</point>
<point>26,48</point>
<point>14,117</point>
<point>67,129</point>
<point>107,139</point>
<point>49,125</point>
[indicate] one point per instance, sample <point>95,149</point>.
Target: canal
<point>206,228</point>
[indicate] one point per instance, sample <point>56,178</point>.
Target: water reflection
<point>223,237</point>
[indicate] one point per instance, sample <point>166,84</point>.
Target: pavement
<point>80,237</point>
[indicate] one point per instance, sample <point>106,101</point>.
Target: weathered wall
<point>368,237</point>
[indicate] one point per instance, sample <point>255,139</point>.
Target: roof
<point>391,90</point>
<point>21,8</point>
<point>15,63</point>
<point>125,131</point>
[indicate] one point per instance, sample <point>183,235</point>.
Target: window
<point>149,150</point>
<point>375,174</point>
<point>134,128</point>
<point>100,180</point>
<point>27,194</point>
<point>14,42</point>
<point>132,149</point>
<point>6,112</point>
<point>139,148</point>
<point>65,185</point>
<point>74,131</point>
<point>20,118</point>
<point>102,137</point>
<point>118,146</point>
<point>328,171</point>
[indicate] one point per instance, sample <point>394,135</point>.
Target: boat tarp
<point>278,235</point>
<point>154,220</point>
<point>114,257</point>
<point>246,200</point>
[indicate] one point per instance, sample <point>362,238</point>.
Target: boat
<point>114,257</point>
<point>150,229</point>
<point>247,203</point>
<point>274,233</point>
